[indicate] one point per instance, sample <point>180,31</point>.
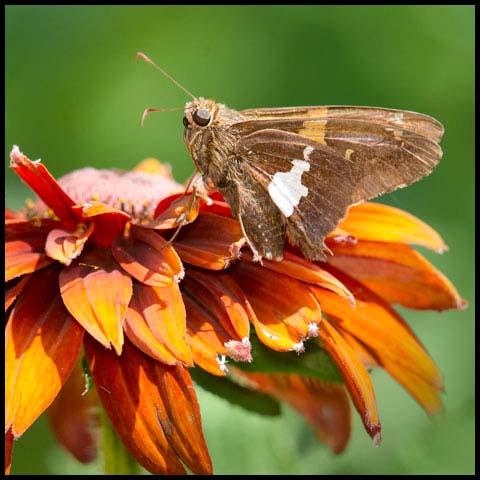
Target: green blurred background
<point>74,97</point>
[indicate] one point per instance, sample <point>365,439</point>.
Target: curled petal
<point>97,292</point>
<point>356,378</point>
<point>147,257</point>
<point>39,179</point>
<point>398,274</point>
<point>324,405</point>
<point>285,310</point>
<point>211,242</point>
<point>65,246</point>
<point>109,222</point>
<point>42,343</point>
<point>305,271</point>
<point>156,323</point>
<point>377,222</point>
<point>153,408</point>
<point>25,247</point>
<point>74,417</point>
<point>386,335</point>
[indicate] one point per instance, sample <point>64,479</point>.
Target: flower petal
<point>220,294</point>
<point>14,289</point>
<point>152,407</point>
<point>212,242</point>
<point>65,246</point>
<point>384,333</point>
<point>377,222</point>
<point>25,247</point>
<point>39,179</point>
<point>325,405</point>
<point>147,257</point>
<point>305,271</point>
<point>156,323</point>
<point>97,292</point>
<point>175,210</point>
<point>42,343</point>
<point>285,310</point>
<point>8,450</point>
<point>398,274</point>
<point>109,222</point>
<point>74,417</point>
<point>356,378</point>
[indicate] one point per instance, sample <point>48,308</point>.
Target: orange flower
<point>90,266</point>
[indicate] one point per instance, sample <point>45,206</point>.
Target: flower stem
<point>117,459</point>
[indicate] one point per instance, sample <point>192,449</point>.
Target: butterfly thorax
<point>208,140</point>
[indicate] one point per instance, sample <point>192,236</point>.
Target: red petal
<point>97,292</point>
<point>210,242</point>
<point>42,343</point>
<point>25,247</point>
<point>398,274</point>
<point>65,246</point>
<point>325,405</point>
<point>8,450</point>
<point>109,222</point>
<point>152,407</point>
<point>74,417</point>
<point>156,323</point>
<point>356,378</point>
<point>39,179</point>
<point>147,257</point>
<point>285,310</point>
<point>377,222</point>
<point>377,326</point>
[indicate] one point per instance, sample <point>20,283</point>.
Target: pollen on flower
<point>312,330</point>
<point>299,347</point>
<point>222,363</point>
<point>239,351</point>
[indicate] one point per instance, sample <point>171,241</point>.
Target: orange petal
<point>147,257</point>
<point>97,292</point>
<point>377,326</point>
<point>212,242</point>
<point>207,337</point>
<point>356,378</point>
<point>154,167</point>
<point>156,323</point>
<point>109,222</point>
<point>325,405</point>
<point>398,274</point>
<point>175,210</point>
<point>74,417</point>
<point>153,408</point>
<point>218,293</point>
<point>25,247</point>
<point>8,450</point>
<point>65,246</point>
<point>305,271</point>
<point>286,312</point>
<point>15,287</point>
<point>377,222</point>
<point>42,343</point>
<point>39,179</point>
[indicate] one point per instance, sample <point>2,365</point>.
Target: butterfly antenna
<point>149,110</point>
<point>163,72</point>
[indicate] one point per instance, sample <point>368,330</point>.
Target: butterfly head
<point>200,113</point>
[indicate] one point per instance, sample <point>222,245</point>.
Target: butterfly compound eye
<point>202,117</point>
<point>185,121</point>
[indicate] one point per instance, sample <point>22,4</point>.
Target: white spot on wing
<point>306,153</point>
<point>286,189</point>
